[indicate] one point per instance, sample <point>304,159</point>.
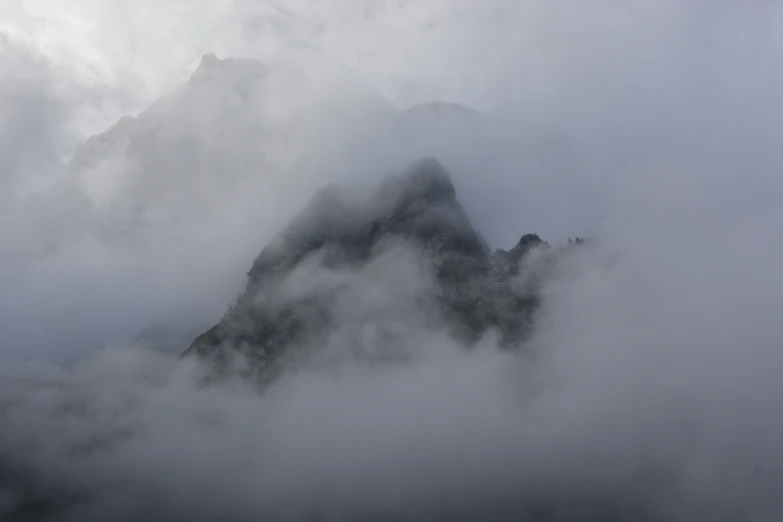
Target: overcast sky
<point>654,127</point>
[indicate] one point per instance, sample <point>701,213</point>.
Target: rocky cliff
<point>462,287</point>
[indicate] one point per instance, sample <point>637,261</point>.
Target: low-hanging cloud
<point>650,387</point>
<point>644,406</point>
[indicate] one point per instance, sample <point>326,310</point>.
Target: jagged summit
<point>229,69</point>
<point>426,180</point>
<point>422,203</point>
<point>470,292</point>
<point>418,204</point>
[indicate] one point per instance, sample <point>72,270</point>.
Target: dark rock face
<point>472,290</point>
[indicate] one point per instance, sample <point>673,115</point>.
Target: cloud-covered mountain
<point>238,146</point>
<point>648,387</point>
<point>239,125</point>
<point>230,125</point>
<point>302,293</point>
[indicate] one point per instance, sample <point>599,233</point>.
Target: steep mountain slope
<point>307,284</point>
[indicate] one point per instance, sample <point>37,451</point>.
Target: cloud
<point>653,128</point>
<point>643,400</point>
<point>31,114</point>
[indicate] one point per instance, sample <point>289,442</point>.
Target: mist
<point>650,387</point>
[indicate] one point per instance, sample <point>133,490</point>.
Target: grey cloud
<point>652,127</point>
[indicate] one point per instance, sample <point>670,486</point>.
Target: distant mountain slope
<point>230,124</point>
<point>239,127</point>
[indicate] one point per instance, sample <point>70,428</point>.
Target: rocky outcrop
<point>472,290</point>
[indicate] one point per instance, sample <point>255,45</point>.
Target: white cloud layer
<point>653,127</point>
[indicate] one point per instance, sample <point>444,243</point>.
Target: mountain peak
<point>425,181</point>
<point>208,60</point>
<point>418,207</point>
<point>209,63</point>
<point>229,69</point>
<point>428,179</point>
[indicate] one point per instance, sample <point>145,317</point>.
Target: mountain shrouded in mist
<point>223,159</point>
<point>272,290</point>
<point>474,290</point>
<point>236,127</point>
<point>230,123</point>
<point>362,278</point>
<point>380,279</point>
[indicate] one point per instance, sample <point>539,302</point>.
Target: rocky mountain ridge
<point>466,288</point>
